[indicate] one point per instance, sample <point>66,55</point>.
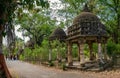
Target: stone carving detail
<point>86,24</point>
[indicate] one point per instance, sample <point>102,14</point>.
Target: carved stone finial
<point>86,9</point>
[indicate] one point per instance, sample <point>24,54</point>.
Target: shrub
<point>58,47</point>
<point>111,47</point>
<point>51,63</point>
<point>63,66</point>
<point>36,54</point>
<point>117,49</point>
<point>113,50</point>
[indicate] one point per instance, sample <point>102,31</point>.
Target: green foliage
<point>5,50</point>
<point>95,47</point>
<point>87,53</point>
<point>4,34</point>
<point>36,25</point>
<point>54,54</point>
<point>113,50</point>
<point>51,63</point>
<point>111,47</point>
<point>58,47</point>
<point>8,7</point>
<point>22,57</point>
<point>39,53</point>
<point>26,55</point>
<point>74,51</point>
<point>111,15</point>
<point>64,66</point>
<point>118,49</point>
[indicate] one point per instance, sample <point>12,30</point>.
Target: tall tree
<point>36,25</point>
<point>7,8</point>
<point>111,17</point>
<point>72,8</point>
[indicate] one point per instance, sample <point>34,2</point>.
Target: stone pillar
<point>91,51</point>
<point>100,53</point>
<point>81,50</point>
<point>70,63</point>
<point>82,60</point>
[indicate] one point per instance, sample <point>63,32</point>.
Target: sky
<point>19,34</point>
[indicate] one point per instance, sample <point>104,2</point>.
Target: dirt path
<point>25,70</point>
<point>20,69</point>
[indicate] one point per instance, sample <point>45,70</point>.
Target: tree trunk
<point>116,9</point>
<point>3,67</point>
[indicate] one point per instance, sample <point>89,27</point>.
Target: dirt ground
<point>20,69</point>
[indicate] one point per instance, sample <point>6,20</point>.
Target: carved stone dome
<point>85,25</point>
<point>85,16</point>
<point>58,34</point>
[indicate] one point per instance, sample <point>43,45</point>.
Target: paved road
<point>25,70</point>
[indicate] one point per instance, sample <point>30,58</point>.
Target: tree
<point>7,8</point>
<point>72,8</point>
<point>111,17</point>
<point>36,25</point>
